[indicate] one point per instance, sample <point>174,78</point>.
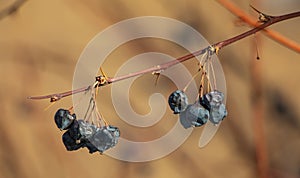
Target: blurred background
<point>41,42</point>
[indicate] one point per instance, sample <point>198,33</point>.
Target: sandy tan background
<point>39,48</point>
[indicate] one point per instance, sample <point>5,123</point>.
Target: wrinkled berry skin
<point>70,143</point>
<point>84,134</point>
<point>91,147</point>
<point>74,130</point>
<point>217,114</point>
<point>86,129</point>
<point>105,138</point>
<point>212,101</point>
<point>63,119</point>
<point>71,138</point>
<point>178,101</point>
<point>195,115</point>
<point>74,138</point>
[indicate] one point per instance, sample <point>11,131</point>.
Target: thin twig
<point>58,96</point>
<point>253,22</point>
<point>272,21</point>
<point>158,68</point>
<point>11,9</point>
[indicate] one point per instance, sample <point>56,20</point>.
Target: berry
<point>74,130</point>
<point>86,129</point>
<point>178,101</point>
<point>64,119</point>
<point>195,115</point>
<point>105,138</point>
<point>83,134</point>
<point>91,147</point>
<point>212,99</point>
<point>217,114</point>
<point>70,143</point>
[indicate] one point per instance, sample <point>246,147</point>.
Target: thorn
<point>263,18</point>
<point>157,76</point>
<point>255,9</point>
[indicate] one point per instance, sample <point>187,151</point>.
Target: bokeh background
<point>39,47</point>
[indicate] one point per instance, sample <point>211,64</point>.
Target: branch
<point>272,20</point>
<point>253,22</point>
<point>11,9</point>
<point>159,68</point>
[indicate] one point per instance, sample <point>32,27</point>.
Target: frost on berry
<point>86,129</point>
<point>212,99</point>
<point>105,138</point>
<point>64,119</point>
<point>195,115</point>
<point>213,102</point>
<point>178,101</point>
<point>81,134</point>
<point>71,136</point>
<point>217,114</point>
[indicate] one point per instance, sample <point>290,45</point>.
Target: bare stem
<point>253,22</point>
<point>273,20</point>
<point>159,68</point>
<point>58,96</point>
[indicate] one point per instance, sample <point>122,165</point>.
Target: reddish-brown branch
<point>253,22</point>
<point>58,96</point>
<point>158,68</point>
<point>273,20</point>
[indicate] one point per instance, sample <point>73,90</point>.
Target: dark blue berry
<point>212,99</point>
<point>70,143</point>
<point>64,119</point>
<point>91,147</point>
<point>178,101</point>
<point>86,129</point>
<point>105,138</point>
<point>217,114</point>
<point>195,115</point>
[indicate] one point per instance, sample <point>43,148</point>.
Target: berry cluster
<point>208,107</point>
<point>82,134</point>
